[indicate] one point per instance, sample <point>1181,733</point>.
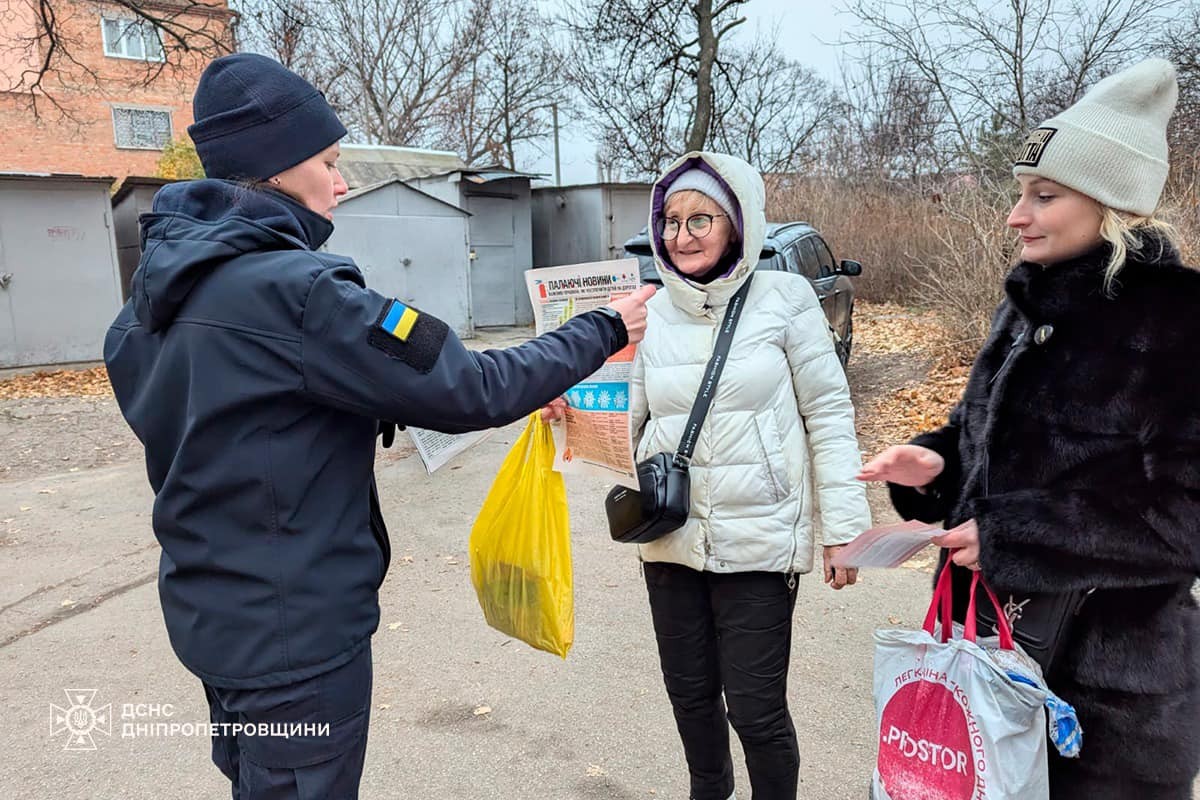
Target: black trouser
<point>325,764</point>
<point>731,633</point>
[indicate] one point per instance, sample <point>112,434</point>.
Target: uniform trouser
<point>730,635</point>
<point>323,765</point>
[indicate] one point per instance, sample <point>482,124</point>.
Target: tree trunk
<point>698,131</point>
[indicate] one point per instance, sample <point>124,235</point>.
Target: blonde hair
<point>1129,233</point>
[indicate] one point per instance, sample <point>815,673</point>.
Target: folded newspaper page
<point>438,449</point>
<point>887,545</point>
<point>595,437</point>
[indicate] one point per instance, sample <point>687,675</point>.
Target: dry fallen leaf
<point>479,712</point>
<point>61,383</point>
<point>882,328</point>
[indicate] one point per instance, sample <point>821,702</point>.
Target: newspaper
<point>887,545</point>
<point>595,436</point>
<point>438,449</point>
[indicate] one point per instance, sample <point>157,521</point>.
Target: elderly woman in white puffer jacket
<point>723,587</point>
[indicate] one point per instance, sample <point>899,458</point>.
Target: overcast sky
<point>807,33</point>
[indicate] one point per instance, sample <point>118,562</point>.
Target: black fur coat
<point>1076,448</point>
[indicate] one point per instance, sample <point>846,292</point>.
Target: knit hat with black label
<point>1112,144</point>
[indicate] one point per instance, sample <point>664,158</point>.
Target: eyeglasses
<point>698,225</point>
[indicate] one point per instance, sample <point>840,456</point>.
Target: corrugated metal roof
<point>365,165</point>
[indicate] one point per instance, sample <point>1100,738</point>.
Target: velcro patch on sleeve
<point>408,335</point>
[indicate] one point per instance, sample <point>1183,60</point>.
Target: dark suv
<point>793,247</point>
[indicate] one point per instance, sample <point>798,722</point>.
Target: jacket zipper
<point>712,412</point>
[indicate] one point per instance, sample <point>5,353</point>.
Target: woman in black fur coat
<point>1072,462</point>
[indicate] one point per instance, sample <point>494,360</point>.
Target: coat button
<point>1043,333</point>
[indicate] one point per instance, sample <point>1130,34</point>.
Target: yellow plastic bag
<point>521,547</point>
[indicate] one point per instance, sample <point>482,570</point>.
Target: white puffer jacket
<point>781,421</point>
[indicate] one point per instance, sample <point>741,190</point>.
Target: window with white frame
<point>131,38</point>
<point>141,128</point>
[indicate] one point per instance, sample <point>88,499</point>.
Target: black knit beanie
<point>255,118</point>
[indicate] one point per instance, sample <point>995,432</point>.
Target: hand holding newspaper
<point>595,435</point>
<point>887,545</point>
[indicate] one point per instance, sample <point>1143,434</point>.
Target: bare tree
<point>49,52</point>
<point>286,30</point>
<point>505,96</point>
<point>387,65</point>
<point>995,70</point>
<point>773,112</point>
<point>888,124</point>
<point>1180,44</point>
<point>636,118</point>
<point>648,69</point>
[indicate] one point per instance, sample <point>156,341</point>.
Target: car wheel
<point>847,339</point>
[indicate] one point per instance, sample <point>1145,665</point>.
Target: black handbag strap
<point>712,373</point>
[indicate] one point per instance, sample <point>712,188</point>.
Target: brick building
<point>112,113</point>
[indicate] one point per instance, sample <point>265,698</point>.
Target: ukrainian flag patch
<point>399,320</point>
<point>408,335</point>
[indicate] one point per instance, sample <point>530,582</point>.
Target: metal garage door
<point>493,272</point>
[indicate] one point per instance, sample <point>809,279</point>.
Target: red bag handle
<point>941,605</point>
<point>1002,625</point>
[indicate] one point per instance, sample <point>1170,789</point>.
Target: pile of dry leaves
<point>886,328</point>
<point>910,410</point>
<point>60,383</point>
<point>883,328</point>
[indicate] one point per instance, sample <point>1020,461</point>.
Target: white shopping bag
<point>952,724</point>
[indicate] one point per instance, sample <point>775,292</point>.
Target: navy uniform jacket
<point>254,371</point>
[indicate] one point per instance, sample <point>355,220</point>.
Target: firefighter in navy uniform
<point>255,371</point>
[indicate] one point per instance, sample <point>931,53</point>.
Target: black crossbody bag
<point>1041,623</point>
<point>663,499</point>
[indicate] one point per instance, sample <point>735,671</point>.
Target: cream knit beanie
<point>1112,144</point>
<point>697,180</point>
